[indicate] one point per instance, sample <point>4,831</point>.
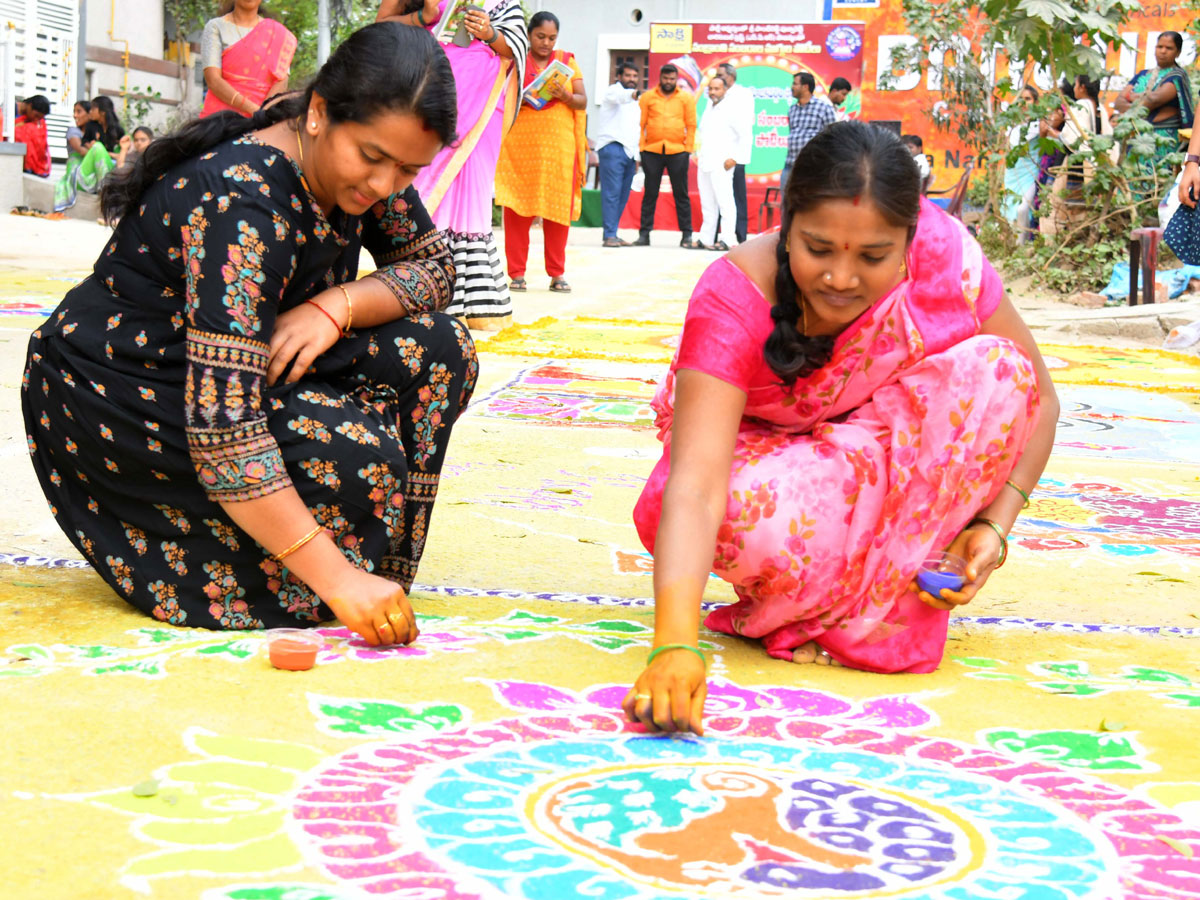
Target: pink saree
<point>842,485</point>
<point>457,186</point>
<point>254,65</point>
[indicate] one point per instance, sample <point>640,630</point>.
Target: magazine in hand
<point>538,93</point>
<point>453,19</point>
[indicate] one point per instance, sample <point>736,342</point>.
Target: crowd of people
<point>238,431</point>
<point>1052,147</point>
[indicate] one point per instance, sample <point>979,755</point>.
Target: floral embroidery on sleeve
<point>415,261</point>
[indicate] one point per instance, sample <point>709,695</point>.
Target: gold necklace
<point>803,316</point>
<point>300,143</point>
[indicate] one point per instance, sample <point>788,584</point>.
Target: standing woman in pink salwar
<point>246,56</point>
<point>849,395</point>
<point>457,188</point>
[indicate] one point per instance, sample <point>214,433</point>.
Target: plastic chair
<point>958,193</point>
<point>766,209</point>
<point>1143,255</point>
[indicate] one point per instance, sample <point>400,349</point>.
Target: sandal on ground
<point>517,284</point>
<point>719,246</point>
<point>691,244</point>
<point>560,286</point>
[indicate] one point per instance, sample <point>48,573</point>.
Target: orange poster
<point>913,97</point>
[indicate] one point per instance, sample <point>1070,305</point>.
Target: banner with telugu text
<point>767,55</point>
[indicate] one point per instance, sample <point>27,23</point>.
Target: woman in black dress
<point>234,430</point>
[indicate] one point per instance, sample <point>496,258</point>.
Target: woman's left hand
<point>301,335</point>
<point>980,546</point>
<point>479,24</point>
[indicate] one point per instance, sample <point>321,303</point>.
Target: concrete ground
<point>1051,755</point>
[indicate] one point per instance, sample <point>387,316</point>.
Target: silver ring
<point>642,697</point>
<point>824,652</point>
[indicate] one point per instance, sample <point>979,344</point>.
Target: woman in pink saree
<point>848,395</point>
<point>246,56</point>
<point>489,69</point>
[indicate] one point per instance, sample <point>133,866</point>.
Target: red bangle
<point>336,326</point>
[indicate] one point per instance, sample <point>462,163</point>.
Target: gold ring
<point>642,696</point>
<point>384,625</point>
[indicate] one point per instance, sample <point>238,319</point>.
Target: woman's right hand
<point>1189,185</point>
<point>669,695</point>
<point>373,607</point>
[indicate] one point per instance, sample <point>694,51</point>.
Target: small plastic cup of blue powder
<point>942,570</point>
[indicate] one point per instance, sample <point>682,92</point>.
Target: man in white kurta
<point>741,98</point>
<point>719,136</point>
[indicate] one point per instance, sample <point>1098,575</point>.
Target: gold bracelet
<point>233,101</point>
<point>982,520</point>
<point>278,557</point>
<point>349,310</point>
<point>1012,484</point>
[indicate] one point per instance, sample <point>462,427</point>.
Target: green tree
<point>1065,39</point>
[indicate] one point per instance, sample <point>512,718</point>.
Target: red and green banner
<point>767,55</point>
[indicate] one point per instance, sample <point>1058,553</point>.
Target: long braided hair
<point>846,159</point>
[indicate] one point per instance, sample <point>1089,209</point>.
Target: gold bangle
<point>982,520</point>
<point>349,310</point>
<point>233,101</point>
<point>1012,484</point>
<point>278,557</point>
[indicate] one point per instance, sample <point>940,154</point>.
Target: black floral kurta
<point>146,400</point>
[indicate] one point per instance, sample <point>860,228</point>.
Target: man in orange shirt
<point>668,137</point>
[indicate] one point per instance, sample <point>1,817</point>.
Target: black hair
<point>730,68</point>
<point>629,67</point>
<point>913,139</point>
<point>806,79</point>
<point>1037,95</point>
<point>227,7</point>
<point>1092,87</point>
<point>720,78</point>
<point>384,67</point>
<point>846,159</point>
<point>39,103</point>
<point>541,18</point>
<point>111,132</point>
<point>148,132</point>
<point>668,69</point>
<point>87,106</point>
<point>1174,36</point>
<point>839,84</point>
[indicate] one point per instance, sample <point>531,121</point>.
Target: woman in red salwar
<point>849,395</point>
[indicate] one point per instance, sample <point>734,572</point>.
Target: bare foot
<point>812,653</point>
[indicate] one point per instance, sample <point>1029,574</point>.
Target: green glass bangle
<point>999,532</point>
<point>665,647</point>
<point>1012,484</point>
<point>421,18</point>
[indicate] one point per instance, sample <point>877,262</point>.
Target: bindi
<point>854,200</point>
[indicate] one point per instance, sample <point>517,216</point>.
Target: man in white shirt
<point>616,137</point>
<point>742,99</point>
<point>719,138</point>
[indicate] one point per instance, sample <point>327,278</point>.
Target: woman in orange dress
<point>543,161</point>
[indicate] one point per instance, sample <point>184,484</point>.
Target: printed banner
<point>767,55</point>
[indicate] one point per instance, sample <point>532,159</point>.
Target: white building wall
<point>137,26</point>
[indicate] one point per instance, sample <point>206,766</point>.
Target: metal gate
<point>39,40</point>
